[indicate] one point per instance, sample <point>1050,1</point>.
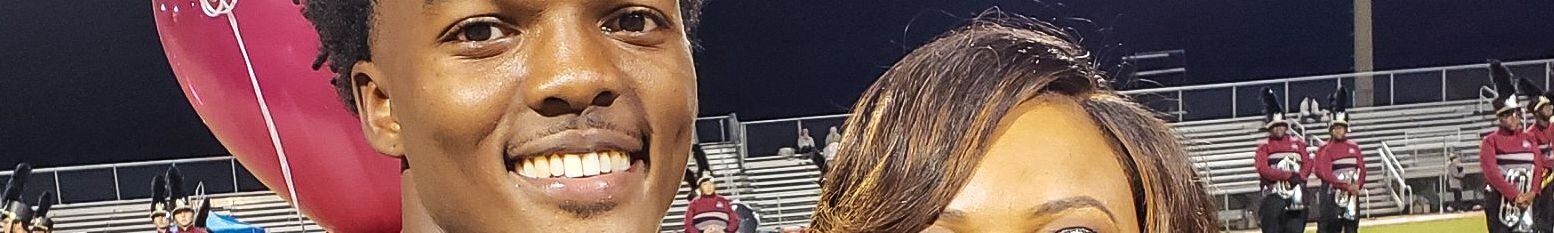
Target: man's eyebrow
<point>1060,205</point>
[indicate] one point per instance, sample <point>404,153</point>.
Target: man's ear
<point>375,108</point>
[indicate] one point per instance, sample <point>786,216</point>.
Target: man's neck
<point>413,216</point>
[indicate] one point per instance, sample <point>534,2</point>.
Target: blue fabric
<point>218,223</point>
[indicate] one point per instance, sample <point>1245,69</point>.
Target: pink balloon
<point>339,181</point>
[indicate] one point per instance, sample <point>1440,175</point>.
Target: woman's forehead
<point>1048,150</point>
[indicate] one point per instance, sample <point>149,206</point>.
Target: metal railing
<point>766,136</point>
<point>1397,187</point>
<point>88,183</point>
<point>1178,98</point>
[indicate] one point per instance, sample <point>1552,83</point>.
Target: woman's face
<point>1048,169</point>
<point>530,115</point>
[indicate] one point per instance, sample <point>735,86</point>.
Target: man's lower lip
<point>598,188</point>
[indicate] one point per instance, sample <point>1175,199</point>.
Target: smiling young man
<point>521,115</point>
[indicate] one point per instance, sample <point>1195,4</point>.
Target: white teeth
<point>528,169</point>
<point>574,165</point>
<point>557,168</point>
<point>620,162</point>
<point>541,167</point>
<point>590,164</point>
<point>604,162</point>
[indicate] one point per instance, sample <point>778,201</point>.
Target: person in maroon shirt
<point>1505,150</point>
<point>1279,213</point>
<point>161,207</point>
<point>184,213</point>
<point>1542,108</point>
<point>710,212</point>
<point>1341,167</point>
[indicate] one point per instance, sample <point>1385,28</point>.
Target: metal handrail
<point>118,165</point>
<point>114,168</point>
<point>1402,194</point>
<point>840,115</point>
<point>1330,76</point>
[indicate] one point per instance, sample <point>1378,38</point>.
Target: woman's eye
<point>1076,230</point>
<point>481,31</point>
<point>638,21</point>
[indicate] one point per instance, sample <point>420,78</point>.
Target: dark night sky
<point>89,84</point>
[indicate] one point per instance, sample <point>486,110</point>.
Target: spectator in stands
<point>806,143</point>
<point>471,100</point>
<point>787,153</point>
<point>1507,151</point>
<point>1542,111</point>
<point>1341,167</point>
<point>710,212</point>
<point>808,151</point>
<point>833,140</point>
<point>1282,167</point>
<point>959,136</point>
<point>1456,174</point>
<point>833,136</point>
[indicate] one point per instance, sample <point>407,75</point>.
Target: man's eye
<point>637,21</point>
<point>481,31</point>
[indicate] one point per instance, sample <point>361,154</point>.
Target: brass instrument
<point>1287,190</point>
<point>1514,216</point>
<point>1346,200</point>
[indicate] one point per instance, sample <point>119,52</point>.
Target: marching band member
<point>1509,159</point>
<point>12,209</point>
<point>160,218</point>
<point>1281,161</point>
<point>183,209</point>
<point>41,222</point>
<point>1542,113</point>
<point>1341,167</point>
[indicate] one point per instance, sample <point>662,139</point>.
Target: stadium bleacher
<point>1222,150</point>
<point>263,209</point>
<point>783,190</point>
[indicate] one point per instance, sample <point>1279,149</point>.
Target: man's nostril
<point>604,99</point>
<point>553,106</point>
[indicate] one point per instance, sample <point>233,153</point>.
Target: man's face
<point>12,226</point>
<point>707,188</point>
<point>1339,131</point>
<point>1511,120</point>
<point>184,218</point>
<point>1278,131</point>
<point>159,222</point>
<point>1544,113</point>
<point>510,111</point>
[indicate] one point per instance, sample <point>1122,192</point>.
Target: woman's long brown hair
<point>918,134</point>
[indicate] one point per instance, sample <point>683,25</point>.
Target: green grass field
<point>1457,225</point>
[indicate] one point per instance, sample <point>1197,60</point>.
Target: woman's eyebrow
<point>1060,205</point>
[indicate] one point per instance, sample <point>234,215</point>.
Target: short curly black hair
<point>343,25</point>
